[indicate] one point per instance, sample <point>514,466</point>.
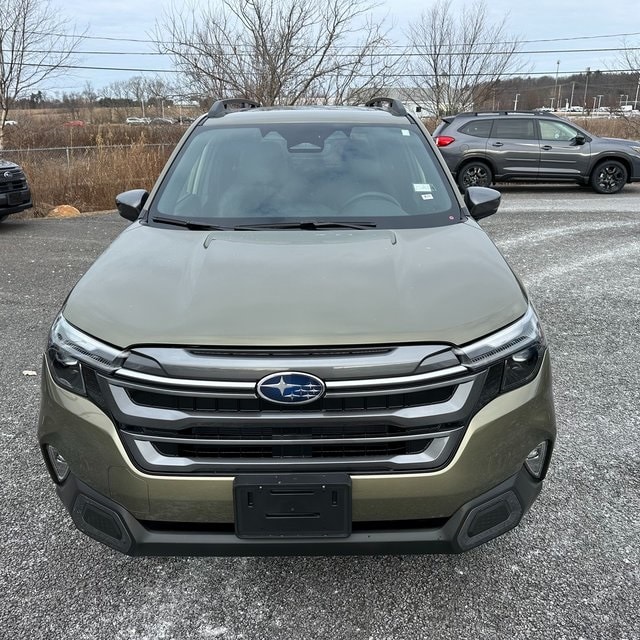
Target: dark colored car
<point>484,148</point>
<point>15,195</point>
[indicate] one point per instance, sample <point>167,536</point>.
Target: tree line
<point>295,51</point>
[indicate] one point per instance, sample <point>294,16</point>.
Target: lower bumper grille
<point>272,443</point>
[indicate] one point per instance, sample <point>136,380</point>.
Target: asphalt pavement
<point>570,571</point>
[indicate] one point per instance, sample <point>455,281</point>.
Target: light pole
<point>515,103</point>
<point>600,96</point>
<point>555,91</point>
<point>635,102</point>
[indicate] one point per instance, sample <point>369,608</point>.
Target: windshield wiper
<point>310,225</point>
<point>188,224</point>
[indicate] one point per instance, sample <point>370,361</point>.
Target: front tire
<point>609,176</point>
<point>475,174</point>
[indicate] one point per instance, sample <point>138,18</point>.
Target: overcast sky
<point>542,19</point>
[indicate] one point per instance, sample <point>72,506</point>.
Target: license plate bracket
<point>293,506</point>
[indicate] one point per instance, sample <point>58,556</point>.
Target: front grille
<point>259,405</point>
<point>280,442</point>
<point>381,423</point>
<point>13,185</point>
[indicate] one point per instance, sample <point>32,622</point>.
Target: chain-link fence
<point>69,155</point>
<point>88,178</point>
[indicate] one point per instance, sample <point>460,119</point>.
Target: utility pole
<point>515,104</point>
<point>555,91</point>
<point>573,88</point>
<point>600,96</point>
<point>559,102</point>
<point>635,103</point>
<point>594,104</point>
<point>586,86</point>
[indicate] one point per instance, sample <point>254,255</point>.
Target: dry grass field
<point>87,166</point>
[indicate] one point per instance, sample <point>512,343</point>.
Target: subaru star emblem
<point>290,387</point>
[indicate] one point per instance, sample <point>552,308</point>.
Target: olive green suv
<point>304,344</point>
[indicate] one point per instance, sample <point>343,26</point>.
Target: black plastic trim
<point>388,104</point>
<point>449,537</point>
<point>222,107</point>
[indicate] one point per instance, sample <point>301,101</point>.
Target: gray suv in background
<point>482,148</point>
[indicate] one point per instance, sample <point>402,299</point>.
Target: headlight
<point>517,349</point>
<point>68,349</point>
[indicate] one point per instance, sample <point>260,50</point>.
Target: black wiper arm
<point>188,224</point>
<point>311,225</point>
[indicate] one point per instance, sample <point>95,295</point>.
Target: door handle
<point>497,144</point>
<point>547,147</point>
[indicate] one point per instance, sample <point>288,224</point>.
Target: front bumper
<point>476,522</point>
<point>417,512</point>
<point>15,201</point>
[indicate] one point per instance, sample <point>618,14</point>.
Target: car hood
<point>621,142</point>
<point>5,164</point>
<point>288,288</point>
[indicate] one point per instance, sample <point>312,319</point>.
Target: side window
<point>478,128</point>
<point>556,131</point>
<point>514,129</point>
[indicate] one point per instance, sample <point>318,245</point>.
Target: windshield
<point>314,174</point>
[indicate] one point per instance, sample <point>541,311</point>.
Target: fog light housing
<point>57,463</point>
<point>536,460</point>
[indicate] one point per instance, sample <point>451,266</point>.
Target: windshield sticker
<point>418,187</point>
<point>406,132</point>
<point>427,196</point>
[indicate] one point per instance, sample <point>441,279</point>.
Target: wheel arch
<point>475,158</point>
<point>612,156</point>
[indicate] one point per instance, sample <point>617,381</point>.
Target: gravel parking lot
<point>570,571</point>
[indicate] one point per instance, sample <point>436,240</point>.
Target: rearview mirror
<point>130,203</point>
<point>482,201</point>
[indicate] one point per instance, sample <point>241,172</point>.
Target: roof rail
<point>388,104</point>
<point>222,107</point>
<point>534,112</point>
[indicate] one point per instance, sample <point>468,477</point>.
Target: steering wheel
<point>378,195</point>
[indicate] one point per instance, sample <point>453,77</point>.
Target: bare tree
<point>629,60</point>
<point>278,51</point>
<point>629,57</point>
<point>459,56</point>
<point>35,46</point>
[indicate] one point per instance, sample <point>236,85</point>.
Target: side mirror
<point>579,139</point>
<point>130,203</point>
<point>481,201</point>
